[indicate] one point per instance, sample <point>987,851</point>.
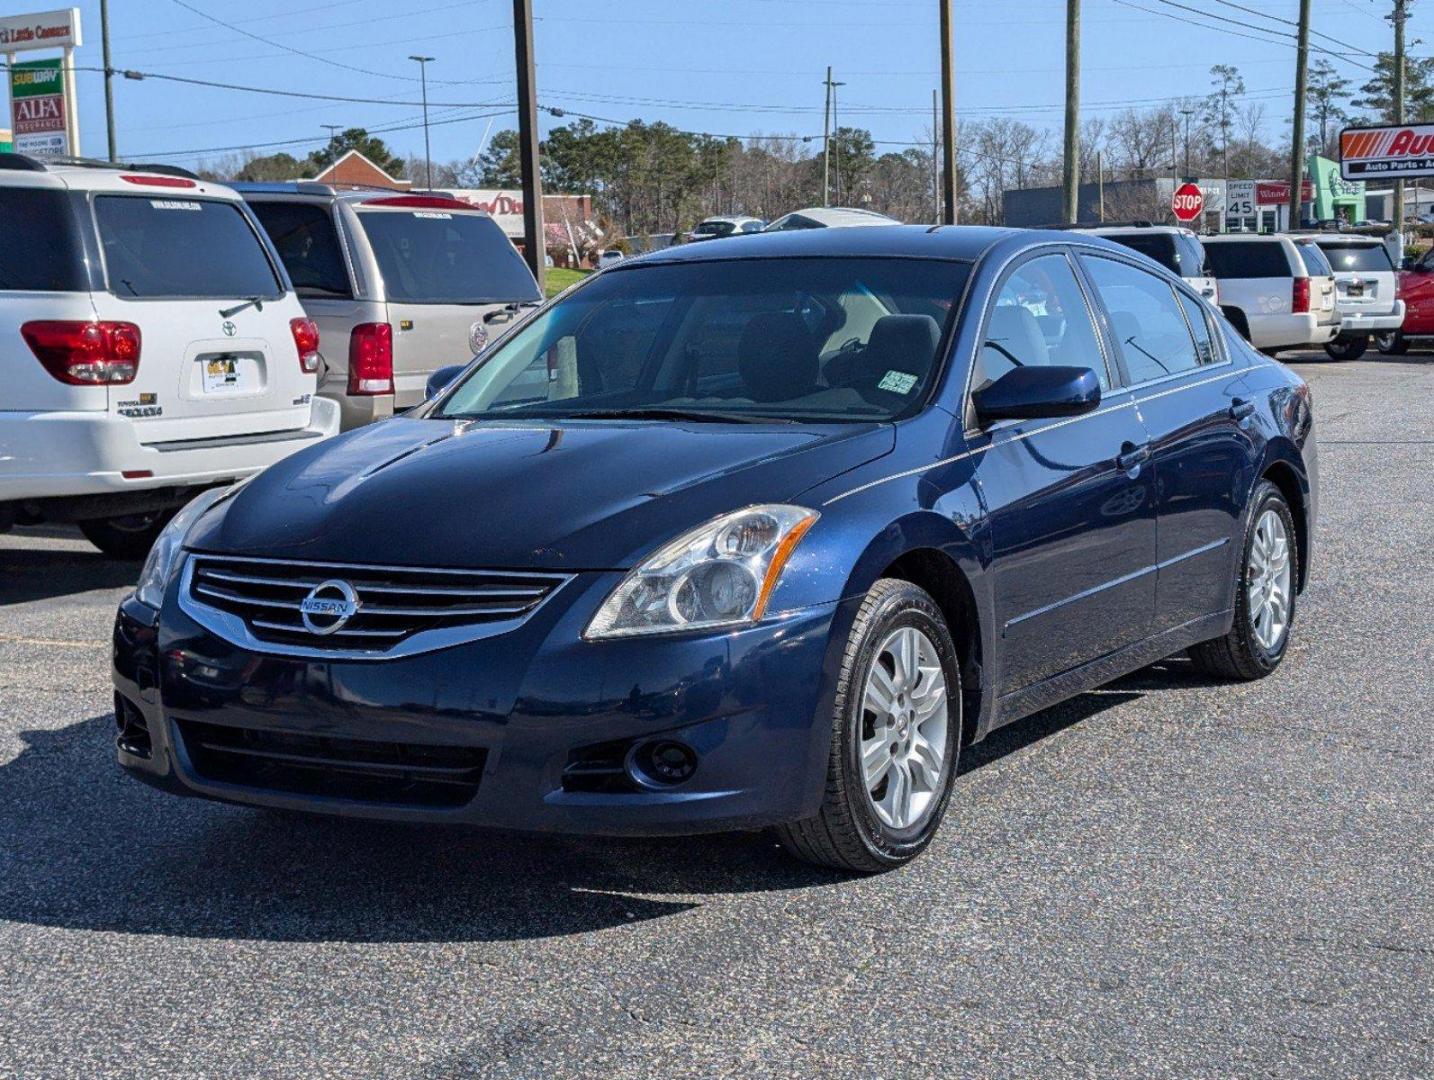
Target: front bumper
<point>1359,323</point>
<point>755,705</point>
<point>64,454</point>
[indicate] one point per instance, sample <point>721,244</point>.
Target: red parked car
<point>1416,289</point>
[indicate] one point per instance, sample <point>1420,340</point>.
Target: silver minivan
<point>399,283</point>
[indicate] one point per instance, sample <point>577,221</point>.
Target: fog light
<point>662,763</point>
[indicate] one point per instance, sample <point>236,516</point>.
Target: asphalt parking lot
<point>1165,878</point>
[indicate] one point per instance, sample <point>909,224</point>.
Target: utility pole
<point>533,248</point>
<point>936,216</point>
<point>828,112</point>
<point>1100,184</point>
<point>1072,140</point>
<point>948,118</point>
<point>1297,147</point>
<point>1400,13</point>
<point>109,75</point>
<point>332,129</point>
<point>1187,113</point>
<point>423,62</point>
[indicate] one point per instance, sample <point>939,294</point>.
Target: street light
<point>423,62</point>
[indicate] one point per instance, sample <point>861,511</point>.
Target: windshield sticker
<point>899,382</point>
<point>174,204</point>
<point>432,215</point>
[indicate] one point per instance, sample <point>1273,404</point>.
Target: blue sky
<point>722,66</point>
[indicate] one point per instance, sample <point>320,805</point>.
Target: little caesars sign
<point>42,92</point>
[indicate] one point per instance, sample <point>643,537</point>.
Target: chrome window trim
<point>233,629</point>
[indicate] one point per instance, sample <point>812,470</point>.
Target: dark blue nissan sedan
<point>757,532</point>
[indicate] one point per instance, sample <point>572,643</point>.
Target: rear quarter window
<point>177,247</point>
<point>1248,259</point>
<point>39,245</point>
<point>1316,265</point>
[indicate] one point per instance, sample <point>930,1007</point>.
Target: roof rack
<point>25,163</point>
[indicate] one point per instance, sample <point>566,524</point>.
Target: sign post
<point>43,101</point>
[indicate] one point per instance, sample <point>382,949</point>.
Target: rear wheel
<point>1348,348</point>
<point>896,736</point>
<point>1393,343</point>
<point>128,537</point>
<point>1265,595</point>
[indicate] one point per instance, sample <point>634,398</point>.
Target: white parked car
<point>1177,249</point>
<point>828,217</point>
<point>714,228</point>
<point>1277,290</point>
<point>610,257</point>
<point>1366,292</point>
<point>151,346</point>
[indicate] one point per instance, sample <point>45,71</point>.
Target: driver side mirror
<point>1030,393</point>
<point>440,380</point>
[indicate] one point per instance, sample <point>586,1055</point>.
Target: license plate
<point>1354,288</point>
<point>222,375</point>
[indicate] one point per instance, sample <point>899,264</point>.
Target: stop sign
<point>1187,202</point>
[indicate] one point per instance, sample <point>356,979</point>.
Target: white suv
<point>151,346</point>
<point>1277,290</point>
<point>1366,291</point>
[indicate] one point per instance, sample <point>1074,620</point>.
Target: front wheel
<point>128,537</point>
<point>896,737</point>
<point>1264,595</point>
<point>1347,348</point>
<point>1393,343</point>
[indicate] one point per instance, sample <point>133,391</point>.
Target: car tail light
<point>158,181</point>
<point>85,353</point>
<point>1300,299</point>
<point>306,340</point>
<point>371,359</point>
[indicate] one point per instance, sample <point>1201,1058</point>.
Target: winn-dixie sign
<point>1394,150</point>
<point>45,30</point>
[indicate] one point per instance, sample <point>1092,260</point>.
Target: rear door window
<point>181,248</point>
<point>308,246</point>
<point>39,248</point>
<point>1248,259</point>
<point>442,257</point>
<point>1149,323</point>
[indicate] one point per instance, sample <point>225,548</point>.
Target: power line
<point>1292,22</point>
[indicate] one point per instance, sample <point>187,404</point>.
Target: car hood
<point>566,495</point>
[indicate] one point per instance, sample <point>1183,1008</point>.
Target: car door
<point>1416,288</point>
<point>1070,500</point>
<point>1189,396</point>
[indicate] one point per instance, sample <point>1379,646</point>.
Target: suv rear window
<point>39,251</point>
<point>1157,246</point>
<point>308,246</point>
<point>1316,265</point>
<point>1367,257</point>
<point>437,257</point>
<point>1249,259</point>
<point>181,248</point>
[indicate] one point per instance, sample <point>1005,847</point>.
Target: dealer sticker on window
<point>899,382</point>
<point>174,204</point>
<point>430,214</point>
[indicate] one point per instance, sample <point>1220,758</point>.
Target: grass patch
<point>560,278</point>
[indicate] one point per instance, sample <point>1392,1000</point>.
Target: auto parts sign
<point>1390,150</point>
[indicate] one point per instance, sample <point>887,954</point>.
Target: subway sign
<point>1390,150</point>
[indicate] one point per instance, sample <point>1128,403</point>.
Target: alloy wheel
<point>905,713</point>
<point>1267,581</point>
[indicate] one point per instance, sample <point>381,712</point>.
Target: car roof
<point>317,191</point>
<point>1263,238</point>
<point>83,174</point>
<point>966,242</point>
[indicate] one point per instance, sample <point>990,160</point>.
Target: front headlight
<point>159,565</point>
<point>719,574</point>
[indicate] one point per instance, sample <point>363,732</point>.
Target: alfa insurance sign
<point>38,117</point>
<point>1391,150</point>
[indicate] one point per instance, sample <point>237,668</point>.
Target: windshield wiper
<point>255,302</point>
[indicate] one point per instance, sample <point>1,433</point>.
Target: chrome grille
<point>393,604</point>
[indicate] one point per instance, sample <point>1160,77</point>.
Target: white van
<point>1277,290</point>
<point>151,346</point>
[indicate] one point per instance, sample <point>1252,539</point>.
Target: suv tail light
<point>306,340</point>
<point>1300,299</point>
<point>85,353</point>
<point>371,359</point>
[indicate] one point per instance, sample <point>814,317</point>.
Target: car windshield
<point>435,256</point>
<point>820,340</point>
<point>1366,257</point>
<point>177,247</point>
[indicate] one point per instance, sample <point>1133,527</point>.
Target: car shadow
<point>84,846</point>
<point>28,574</point>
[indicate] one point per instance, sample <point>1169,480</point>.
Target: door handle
<point>1131,456</point>
<point>1240,408</point>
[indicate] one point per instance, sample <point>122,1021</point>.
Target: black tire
<point>1393,343</point>
<point>1273,354</point>
<point>128,537</point>
<point>846,833</point>
<point>1348,349</point>
<point>1239,655</point>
